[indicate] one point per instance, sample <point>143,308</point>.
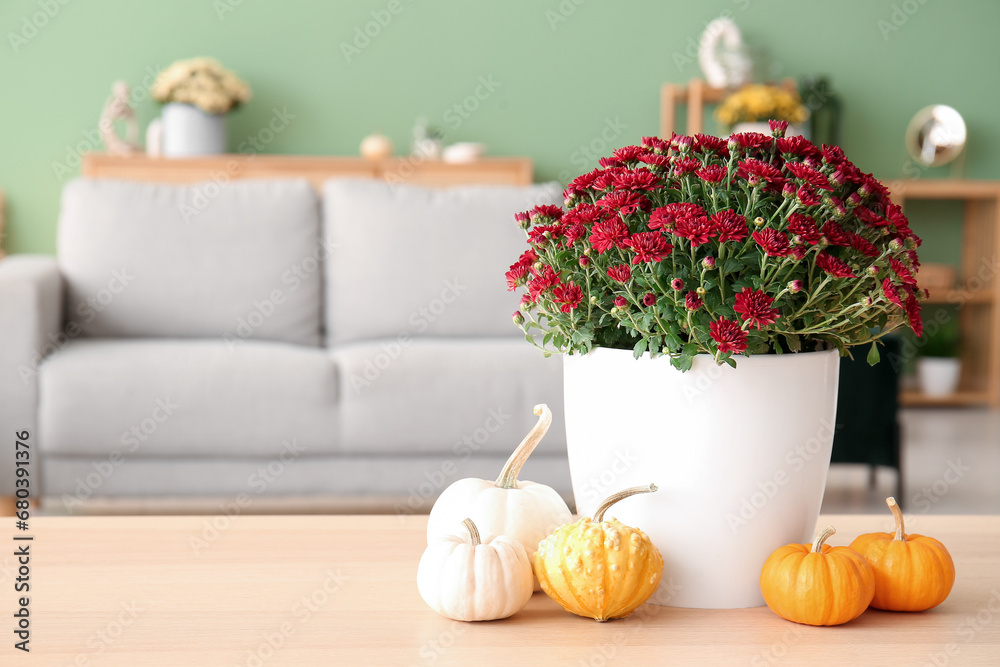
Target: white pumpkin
<point>465,579</point>
<point>524,511</point>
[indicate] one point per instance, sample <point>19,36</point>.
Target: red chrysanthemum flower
<point>540,235</point>
<point>807,196</point>
<point>648,247</point>
<point>715,173</point>
<point>728,335</point>
<point>706,143</point>
<point>756,172</point>
<point>755,306</point>
<point>608,162</point>
<point>862,245</point>
<point>666,217</point>
<point>515,276</point>
<point>624,202</point>
<point>835,234</point>
<point>649,299</point>
<point>637,179</point>
<point>798,146</point>
<point>833,155</point>
<point>870,217</point>
<point>774,243</point>
<point>656,160</point>
<point>778,127</point>
<point>834,266</point>
<point>573,233</point>
<point>606,179</point>
<point>730,225</point>
<point>871,187</point>
<point>803,228</point>
<point>545,211</point>
<point>891,293</point>
<point>585,214</point>
<point>546,280</point>
<point>568,295</point>
<point>809,175</point>
<point>686,165</point>
<point>581,184</point>
<point>621,301</point>
<point>750,140</point>
<point>692,301</point>
<point>904,273</point>
<point>608,234</point>
<point>912,309</point>
<point>656,144</point>
<point>696,229</point>
<point>630,153</point>
<point>620,272</point>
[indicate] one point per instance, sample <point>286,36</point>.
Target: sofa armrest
<point>31,317</point>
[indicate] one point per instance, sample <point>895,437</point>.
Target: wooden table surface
<point>341,590</point>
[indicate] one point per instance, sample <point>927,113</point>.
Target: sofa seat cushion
<point>458,397</point>
<point>197,398</point>
<point>241,260</point>
<point>422,261</point>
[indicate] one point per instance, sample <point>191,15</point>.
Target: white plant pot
<point>792,131</point>
<point>740,457</point>
<point>938,376</point>
<point>187,130</point>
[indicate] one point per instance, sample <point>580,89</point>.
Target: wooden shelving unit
<point>977,296</point>
<point>316,169</point>
<point>695,95</point>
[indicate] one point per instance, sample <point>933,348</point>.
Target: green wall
<point>564,72</point>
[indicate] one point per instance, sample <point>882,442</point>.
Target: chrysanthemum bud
<point>795,286</point>
<point>708,262</point>
<point>684,144</point>
<point>777,127</point>
<point>700,291</point>
<point>788,192</point>
<point>584,260</point>
<point>677,284</point>
<point>518,318</point>
<point>910,243</point>
<point>867,302</point>
<point>593,300</point>
<point>621,301</point>
<point>895,245</point>
<point>522,219</point>
<point>872,271</point>
<point>759,221</point>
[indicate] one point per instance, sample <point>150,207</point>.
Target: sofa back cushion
<point>237,260</point>
<point>407,260</point>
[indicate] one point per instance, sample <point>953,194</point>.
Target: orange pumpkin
<point>912,572</point>
<point>817,584</point>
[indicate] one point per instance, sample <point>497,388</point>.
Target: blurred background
<point>564,82</point>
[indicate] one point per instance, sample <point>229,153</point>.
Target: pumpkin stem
<point>897,514</point>
<point>476,540</point>
<point>511,469</point>
<point>821,538</point>
<point>621,495</point>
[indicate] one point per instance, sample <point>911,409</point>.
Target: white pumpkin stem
<point>621,495</point>
<point>511,469</point>
<point>476,540</point>
<point>821,538</point>
<point>897,514</point>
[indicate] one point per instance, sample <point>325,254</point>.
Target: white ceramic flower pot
<point>740,457</point>
<point>792,131</point>
<point>938,376</point>
<point>187,130</point>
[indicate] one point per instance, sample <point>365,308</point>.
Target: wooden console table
<point>341,590</point>
<point>316,169</point>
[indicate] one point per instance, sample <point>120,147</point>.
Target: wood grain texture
<point>316,169</point>
<point>341,590</point>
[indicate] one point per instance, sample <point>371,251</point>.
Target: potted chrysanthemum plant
<point>703,290</point>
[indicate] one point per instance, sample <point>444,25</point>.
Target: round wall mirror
<point>936,135</point>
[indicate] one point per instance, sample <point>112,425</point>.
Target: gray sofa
<point>260,340</point>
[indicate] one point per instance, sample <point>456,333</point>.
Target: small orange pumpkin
<point>912,572</point>
<point>817,584</point>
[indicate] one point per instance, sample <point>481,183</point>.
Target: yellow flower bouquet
<point>202,82</point>
<point>759,102</point>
